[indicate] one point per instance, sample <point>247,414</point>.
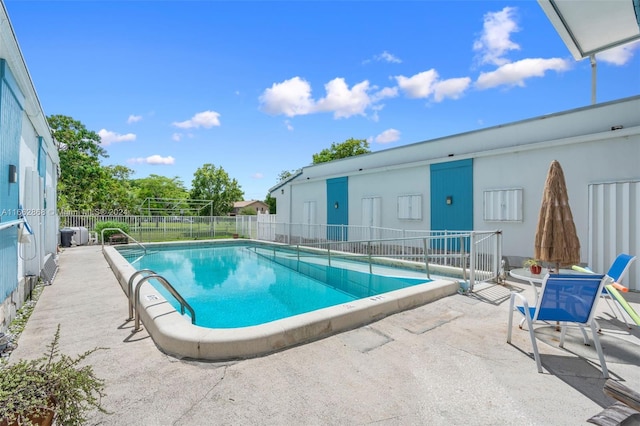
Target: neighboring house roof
<point>241,204</point>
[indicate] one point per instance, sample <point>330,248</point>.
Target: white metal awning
<point>589,27</point>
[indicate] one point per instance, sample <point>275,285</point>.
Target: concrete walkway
<point>445,363</point>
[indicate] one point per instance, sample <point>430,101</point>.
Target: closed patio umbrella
<point>556,238</point>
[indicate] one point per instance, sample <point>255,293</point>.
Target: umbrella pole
<point>557,271</point>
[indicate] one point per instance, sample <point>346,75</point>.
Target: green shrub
<point>55,384</point>
<point>110,224</point>
<point>247,211</point>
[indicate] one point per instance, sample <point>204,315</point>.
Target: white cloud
<point>388,136</point>
<point>419,85</point>
<point>387,92</point>
<point>257,175</point>
<point>374,115</point>
<point>206,119</point>
<point>289,125</point>
<point>387,57</point>
<point>428,83</point>
<point>108,137</point>
<point>177,137</point>
<point>619,55</point>
<point>345,102</point>
<point>452,88</point>
<point>134,118</point>
<point>495,42</point>
<point>514,74</point>
<point>153,160</point>
<point>291,97</point>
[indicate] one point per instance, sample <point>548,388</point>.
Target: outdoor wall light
<point>282,191</point>
<point>336,205</point>
<point>13,174</point>
<point>449,200</point>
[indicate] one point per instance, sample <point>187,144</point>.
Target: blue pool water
<point>238,286</point>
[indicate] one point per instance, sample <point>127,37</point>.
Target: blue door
<point>337,208</point>
<point>452,197</point>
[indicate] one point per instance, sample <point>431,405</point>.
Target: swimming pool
<point>284,302</point>
<point>241,285</point>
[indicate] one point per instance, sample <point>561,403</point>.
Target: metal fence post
<point>472,260</point>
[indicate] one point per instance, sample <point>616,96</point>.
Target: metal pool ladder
<point>135,295</point>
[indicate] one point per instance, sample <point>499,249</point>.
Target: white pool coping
<point>174,334</point>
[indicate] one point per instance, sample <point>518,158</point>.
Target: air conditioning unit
<point>80,236</point>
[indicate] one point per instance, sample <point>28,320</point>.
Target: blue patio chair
<point>616,272</point>
<point>569,299</point>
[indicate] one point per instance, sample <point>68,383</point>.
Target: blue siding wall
<point>337,208</point>
<point>11,100</point>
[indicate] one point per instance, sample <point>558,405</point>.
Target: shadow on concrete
<point>493,294</point>
<point>580,368</point>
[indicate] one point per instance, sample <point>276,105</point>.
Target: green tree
<point>247,211</point>
<point>271,202</point>
<point>84,183</point>
<point>160,195</point>
<point>122,195</point>
<point>348,148</point>
<point>214,184</point>
<point>285,174</point>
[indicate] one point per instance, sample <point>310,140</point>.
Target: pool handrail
<point>130,290</point>
<point>169,287</point>
<point>124,233</point>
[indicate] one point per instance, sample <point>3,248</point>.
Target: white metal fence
<point>170,228</point>
<point>475,255</point>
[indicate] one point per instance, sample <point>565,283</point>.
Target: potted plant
<point>533,266</point>
<point>53,388</point>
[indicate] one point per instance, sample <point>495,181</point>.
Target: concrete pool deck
<point>444,363</point>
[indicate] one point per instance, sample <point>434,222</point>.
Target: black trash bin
<point>65,236</point>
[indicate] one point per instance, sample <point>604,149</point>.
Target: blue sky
<point>259,87</point>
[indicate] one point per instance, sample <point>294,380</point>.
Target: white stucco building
<point>491,179</point>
